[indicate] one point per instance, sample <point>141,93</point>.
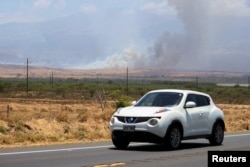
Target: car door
<point>204,109</point>
<point>192,115</point>
<point>197,117</point>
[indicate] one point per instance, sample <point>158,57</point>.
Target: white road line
<point>55,150</point>
<point>237,135</point>
<point>86,148</point>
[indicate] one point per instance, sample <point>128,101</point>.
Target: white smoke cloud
<point>171,49</point>
<point>127,58</point>
<point>191,48</point>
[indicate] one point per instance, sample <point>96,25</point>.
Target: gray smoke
<point>181,49</point>
<point>173,50</point>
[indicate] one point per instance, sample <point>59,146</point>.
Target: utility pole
<point>197,81</point>
<point>248,81</point>
<point>51,78</point>
<point>97,80</point>
<point>27,78</point>
<point>127,82</point>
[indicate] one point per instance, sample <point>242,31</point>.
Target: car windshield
<point>161,99</point>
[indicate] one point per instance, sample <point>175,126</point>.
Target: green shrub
<point>1,88</point>
<point>2,129</point>
<point>123,102</point>
<point>115,93</point>
<point>19,126</point>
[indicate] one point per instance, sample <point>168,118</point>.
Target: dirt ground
<point>42,122</point>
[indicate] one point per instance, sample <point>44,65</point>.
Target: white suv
<point>168,116</point>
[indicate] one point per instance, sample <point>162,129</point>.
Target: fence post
<point>8,110</point>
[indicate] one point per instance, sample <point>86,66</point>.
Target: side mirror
<point>190,104</point>
<point>133,102</point>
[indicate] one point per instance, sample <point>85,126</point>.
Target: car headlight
<point>153,121</point>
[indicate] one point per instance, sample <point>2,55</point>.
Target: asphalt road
<point>103,154</point>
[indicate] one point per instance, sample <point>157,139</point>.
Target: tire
<point>217,135</point>
<point>120,142</point>
<point>173,138</point>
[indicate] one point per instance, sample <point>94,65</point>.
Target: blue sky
<point>206,35</point>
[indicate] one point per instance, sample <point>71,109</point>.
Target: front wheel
<point>173,138</point>
<point>217,136</point>
<point>120,142</point>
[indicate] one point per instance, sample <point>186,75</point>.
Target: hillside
<point>20,71</point>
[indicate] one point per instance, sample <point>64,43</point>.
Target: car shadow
<point>160,147</point>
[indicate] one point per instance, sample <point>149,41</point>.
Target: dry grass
<point>33,122</point>
<point>28,122</point>
<point>237,117</point>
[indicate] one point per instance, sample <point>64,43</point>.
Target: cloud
<point>40,4</point>
<point>88,8</point>
<point>43,4</point>
<point>159,8</point>
<point>2,14</point>
<point>27,12</point>
<point>60,4</point>
<point>19,17</point>
<point>128,12</point>
<point>230,7</point>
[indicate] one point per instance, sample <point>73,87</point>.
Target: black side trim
<point>196,137</point>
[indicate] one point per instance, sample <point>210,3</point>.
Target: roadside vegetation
<point>78,110</point>
<point>113,89</point>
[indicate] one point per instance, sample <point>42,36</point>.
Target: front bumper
<point>139,136</point>
<point>141,129</point>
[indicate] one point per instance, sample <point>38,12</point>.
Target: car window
<point>147,100</point>
<point>160,99</point>
<point>203,100</point>
<point>200,100</point>
<point>192,97</point>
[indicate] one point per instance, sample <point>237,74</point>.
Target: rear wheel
<point>119,141</point>
<point>217,136</point>
<point>173,138</point>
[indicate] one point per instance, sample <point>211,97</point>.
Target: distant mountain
<point>111,39</point>
<point>20,71</point>
<point>80,39</point>
<point>60,42</point>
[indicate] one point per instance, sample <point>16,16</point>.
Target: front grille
<point>134,119</point>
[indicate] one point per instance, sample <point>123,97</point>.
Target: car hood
<point>133,111</point>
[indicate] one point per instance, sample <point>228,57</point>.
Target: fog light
<point>153,121</point>
<point>112,120</point>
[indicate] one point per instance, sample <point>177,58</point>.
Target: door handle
<point>201,114</point>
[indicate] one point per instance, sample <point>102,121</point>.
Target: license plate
<point>128,128</point>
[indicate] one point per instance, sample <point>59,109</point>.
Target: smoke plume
<point>173,50</point>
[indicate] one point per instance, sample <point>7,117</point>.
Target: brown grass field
<point>26,122</point>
